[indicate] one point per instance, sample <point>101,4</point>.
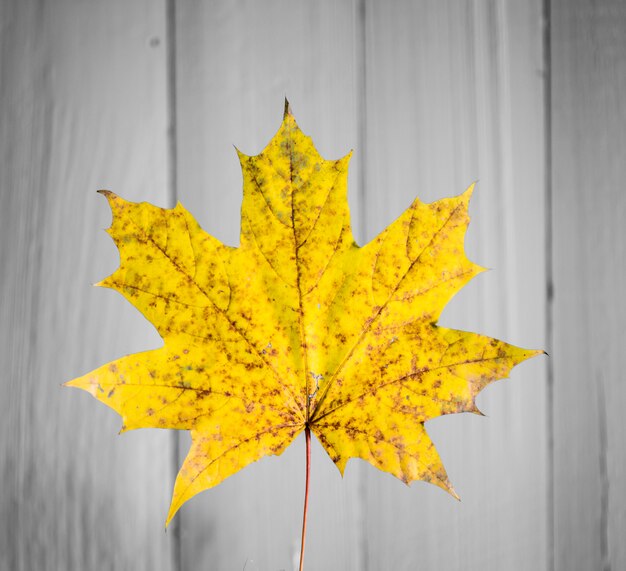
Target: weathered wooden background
<point>147,97</point>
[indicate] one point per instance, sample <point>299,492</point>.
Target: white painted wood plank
<point>236,63</point>
<point>454,95</point>
<point>82,107</point>
<point>589,142</point>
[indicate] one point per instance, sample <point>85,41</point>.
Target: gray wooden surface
<point>589,209</point>
<point>148,98</point>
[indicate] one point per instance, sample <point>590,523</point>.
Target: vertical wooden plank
<point>82,101</point>
<point>454,95</point>
<point>236,63</point>
<point>589,138</point>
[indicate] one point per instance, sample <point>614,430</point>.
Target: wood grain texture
<point>454,95</point>
<point>82,107</point>
<point>589,146</point>
<point>236,61</point>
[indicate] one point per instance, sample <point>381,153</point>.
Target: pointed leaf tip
<point>469,191</point>
<point>241,155</point>
<point>452,492</point>
<point>171,513</point>
<point>287,111</point>
<point>111,197</point>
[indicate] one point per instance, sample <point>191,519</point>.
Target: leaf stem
<point>307,433</point>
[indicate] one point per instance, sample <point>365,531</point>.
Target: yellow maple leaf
<point>298,326</point>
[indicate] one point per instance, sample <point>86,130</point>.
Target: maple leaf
<point>298,327</point>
